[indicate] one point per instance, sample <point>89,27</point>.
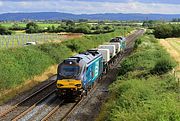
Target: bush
<point>33,28</point>
<point>141,100</point>
<point>163,66</point>
<point>82,28</point>
<point>137,42</point>
<point>4,31</point>
<point>16,27</point>
<point>147,55</point>
<point>165,31</point>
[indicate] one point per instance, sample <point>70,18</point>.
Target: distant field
<point>56,25</point>
<point>18,40</point>
<point>24,24</point>
<point>174,22</point>
<point>173,47</point>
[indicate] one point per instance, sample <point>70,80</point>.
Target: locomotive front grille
<point>69,84</point>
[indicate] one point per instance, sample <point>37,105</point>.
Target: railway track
<point>27,114</point>
<point>44,106</point>
<point>70,106</point>
<point>23,105</point>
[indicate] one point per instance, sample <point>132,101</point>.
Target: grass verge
<point>144,90</point>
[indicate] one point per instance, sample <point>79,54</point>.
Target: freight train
<point>78,74</point>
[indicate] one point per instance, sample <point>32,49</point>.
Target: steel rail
<point>33,106</point>
<point>27,98</point>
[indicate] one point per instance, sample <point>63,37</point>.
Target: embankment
<point>145,90</point>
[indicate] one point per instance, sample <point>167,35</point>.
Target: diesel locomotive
<point>77,75</point>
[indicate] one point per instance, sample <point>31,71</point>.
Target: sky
<point>91,6</point>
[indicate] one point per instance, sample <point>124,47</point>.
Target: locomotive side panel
<point>93,72</point>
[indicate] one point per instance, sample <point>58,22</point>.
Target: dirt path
<point>173,47</point>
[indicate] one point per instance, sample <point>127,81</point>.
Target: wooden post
<point>179,89</point>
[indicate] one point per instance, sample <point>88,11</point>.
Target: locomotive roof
<point>88,57</point>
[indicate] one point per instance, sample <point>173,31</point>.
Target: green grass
<point>151,99</point>
<point>46,25</point>
<point>140,95</point>
<point>8,25</point>
<point>19,64</point>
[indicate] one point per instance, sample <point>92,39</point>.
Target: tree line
<point>70,26</point>
<point>176,20</point>
<point>168,30</point>
<point>67,26</point>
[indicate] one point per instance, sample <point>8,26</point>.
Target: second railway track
<point>23,105</point>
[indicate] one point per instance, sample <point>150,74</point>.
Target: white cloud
<point>79,7</point>
<point>24,4</point>
<point>1,3</point>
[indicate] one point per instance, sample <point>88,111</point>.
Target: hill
<point>105,16</point>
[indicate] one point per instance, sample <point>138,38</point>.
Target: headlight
<point>59,85</point>
<point>78,85</point>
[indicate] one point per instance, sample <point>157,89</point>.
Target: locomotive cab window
<point>69,70</point>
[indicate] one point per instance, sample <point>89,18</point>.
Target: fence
<point>16,40</point>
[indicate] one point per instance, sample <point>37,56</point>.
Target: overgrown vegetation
<point>68,26</point>
<point>4,30</point>
<point>20,64</point>
<point>33,28</point>
<point>152,23</point>
<point>168,30</point>
<point>82,27</point>
<point>16,27</point>
<point>176,20</point>
<point>144,91</point>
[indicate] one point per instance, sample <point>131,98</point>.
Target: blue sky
<point>91,6</point>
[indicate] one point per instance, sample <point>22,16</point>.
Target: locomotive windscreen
<point>69,71</point>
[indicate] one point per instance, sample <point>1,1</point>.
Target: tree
<point>101,22</point>
<point>82,20</point>
<point>15,26</point>
<point>176,30</point>
<point>163,31</point>
<point>60,29</point>
<point>52,29</point>
<point>32,28</point>
<point>108,28</point>
<point>83,28</point>
<point>70,23</point>
<point>176,20</point>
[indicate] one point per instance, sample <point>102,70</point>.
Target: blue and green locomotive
<point>78,74</point>
<point>121,40</point>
